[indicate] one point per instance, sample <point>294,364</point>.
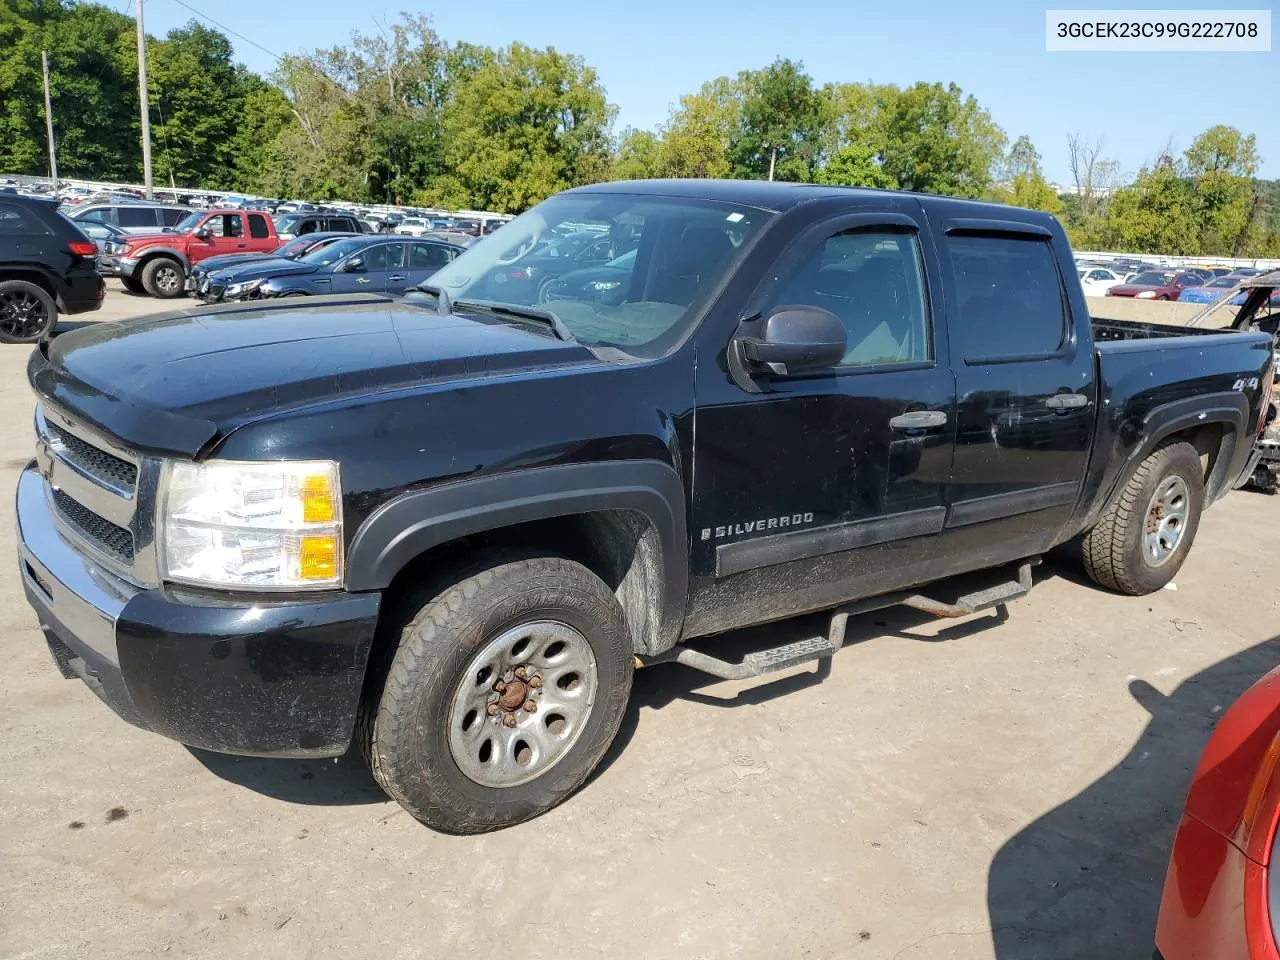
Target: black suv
<point>47,266</point>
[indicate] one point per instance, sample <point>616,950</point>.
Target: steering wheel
<point>522,250</point>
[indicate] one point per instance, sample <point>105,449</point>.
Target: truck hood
<point>142,239</point>
<point>173,383</point>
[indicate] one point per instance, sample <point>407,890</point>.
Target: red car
<point>1157,285</point>
<point>1220,891</point>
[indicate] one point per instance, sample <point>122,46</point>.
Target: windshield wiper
<point>444,305</point>
<point>547,317</point>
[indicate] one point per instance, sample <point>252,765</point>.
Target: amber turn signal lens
<point>318,558</point>
<point>317,500</point>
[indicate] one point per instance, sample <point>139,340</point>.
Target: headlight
<point>263,526</point>
<point>1146,295</point>
<point>602,285</point>
<point>244,289</point>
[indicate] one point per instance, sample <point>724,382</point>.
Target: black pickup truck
<point>448,528</point>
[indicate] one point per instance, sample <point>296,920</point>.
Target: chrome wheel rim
<point>1166,520</point>
<point>522,703</point>
<point>167,279</point>
<point>22,314</point>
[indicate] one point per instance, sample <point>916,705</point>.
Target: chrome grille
<point>97,464</point>
<point>115,542</point>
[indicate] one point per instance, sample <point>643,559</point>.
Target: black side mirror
<point>354,265</point>
<point>791,339</point>
<point>203,233</point>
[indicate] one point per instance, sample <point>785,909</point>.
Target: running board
<point>821,648</point>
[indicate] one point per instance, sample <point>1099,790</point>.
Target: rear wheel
<point>164,277</point>
<point>1143,537</point>
<point>505,691</point>
<point>27,312</point>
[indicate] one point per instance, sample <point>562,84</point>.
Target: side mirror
<point>792,339</point>
<point>203,233</point>
<point>354,265</point>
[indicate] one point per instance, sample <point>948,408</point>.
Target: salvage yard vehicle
<point>289,250</point>
<point>158,263</point>
<point>47,267</point>
<point>445,529</point>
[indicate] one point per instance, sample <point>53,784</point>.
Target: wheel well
<point>160,254</point>
<point>30,276</point>
<point>621,547</point>
<point>1211,441</point>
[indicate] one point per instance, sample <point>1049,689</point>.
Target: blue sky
<point>649,52</point>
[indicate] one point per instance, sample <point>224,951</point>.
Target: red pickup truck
<point>158,263</point>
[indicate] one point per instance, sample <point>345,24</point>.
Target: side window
<point>169,217</point>
<point>101,215</point>
<point>310,225</point>
<point>137,216</point>
<point>1099,275</point>
<point>430,256</point>
<point>15,222</point>
<point>258,227</point>
<point>1009,297</point>
<point>234,225</point>
<point>873,281</point>
<point>378,257</point>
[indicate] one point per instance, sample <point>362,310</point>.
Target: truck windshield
<point>189,222</point>
<point>569,255</point>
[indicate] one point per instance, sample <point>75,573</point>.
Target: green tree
<point>781,123</point>
<point>1022,182</point>
<point>697,137</point>
<point>1222,162</point>
<point>637,156</point>
<point>1158,213</point>
<point>937,140</point>
<point>854,166</point>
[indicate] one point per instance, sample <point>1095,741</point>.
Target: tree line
<point>400,115</point>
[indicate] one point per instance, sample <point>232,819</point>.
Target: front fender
<point>414,522</point>
<point>146,254</point>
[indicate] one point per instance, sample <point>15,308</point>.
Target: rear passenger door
<point>1026,389</point>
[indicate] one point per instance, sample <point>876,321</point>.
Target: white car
<point>412,227</point>
<point>1098,280</point>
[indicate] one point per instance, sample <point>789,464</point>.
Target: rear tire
<point>164,278</point>
<point>445,742</point>
<point>1143,536</point>
<point>27,312</point>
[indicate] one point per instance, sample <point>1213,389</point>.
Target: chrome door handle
<point>1067,401</point>
<point>395,279</point>
<point>919,420</point>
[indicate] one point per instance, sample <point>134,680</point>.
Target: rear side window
<point>258,227</point>
<point>1009,297</point>
<point>101,215</point>
<point>170,217</point>
<point>136,217</point>
<point>15,222</point>
<point>308,226</point>
<point>430,255</point>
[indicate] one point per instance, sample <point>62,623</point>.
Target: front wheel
<point>27,312</point>
<point>132,285</point>
<point>505,691</point>
<point>1143,537</point>
<point>164,278</point>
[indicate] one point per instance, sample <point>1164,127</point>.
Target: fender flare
<point>1229,408</point>
<point>170,252</point>
<point>408,525</point>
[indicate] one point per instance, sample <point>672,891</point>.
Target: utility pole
<point>48,120</point>
<point>146,107</point>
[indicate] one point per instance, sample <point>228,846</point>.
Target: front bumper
<point>258,676</point>
<point>126,266</point>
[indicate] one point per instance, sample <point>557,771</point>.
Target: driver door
<point>366,271</point>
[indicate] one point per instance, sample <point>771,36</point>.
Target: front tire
<point>27,312</point>
<point>133,285</point>
<point>504,693</point>
<point>164,278</point>
<point>1143,537</point>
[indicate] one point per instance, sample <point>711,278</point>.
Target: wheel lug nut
<point>491,709</point>
<point>530,706</point>
<point>535,682</point>
<point>521,673</point>
<point>500,686</point>
<point>509,720</point>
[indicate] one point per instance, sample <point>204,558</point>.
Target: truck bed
<point>1105,330</point>
<point>1110,330</point>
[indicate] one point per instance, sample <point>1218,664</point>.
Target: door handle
<point>396,278</point>
<point>919,420</point>
<point>241,245</point>
<point>1067,401</point>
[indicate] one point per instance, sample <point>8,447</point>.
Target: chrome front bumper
<point>77,598</point>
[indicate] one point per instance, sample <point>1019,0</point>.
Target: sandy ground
<point>1002,787</point>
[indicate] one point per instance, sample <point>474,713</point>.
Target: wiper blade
<point>547,317</point>
<point>444,305</point>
